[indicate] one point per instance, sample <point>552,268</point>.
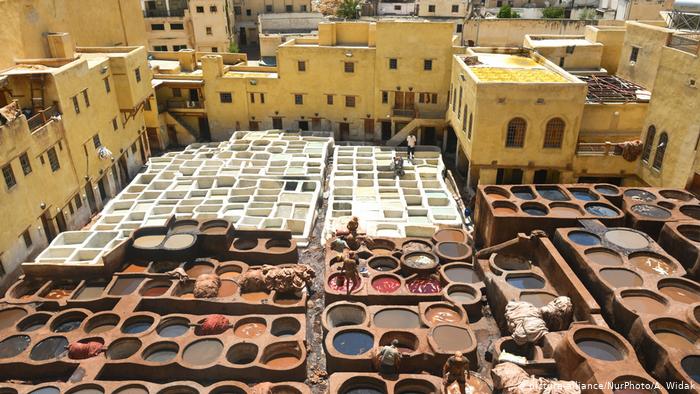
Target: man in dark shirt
<point>454,371</point>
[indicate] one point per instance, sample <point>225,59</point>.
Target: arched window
<point>660,151</point>
<point>516,133</point>
<point>646,152</point>
<point>554,133</point>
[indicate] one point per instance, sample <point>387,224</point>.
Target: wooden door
<point>408,99</point>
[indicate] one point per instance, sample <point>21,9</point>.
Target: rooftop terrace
<point>499,67</point>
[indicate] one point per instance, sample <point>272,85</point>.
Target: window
<point>70,208</point>
<point>385,97</point>
<point>554,133</point>
<point>301,65</point>
<point>9,176</point>
<point>634,54</point>
<point>431,8</point>
<point>427,64</point>
<point>454,100</point>
<point>248,13</point>
<point>252,98</point>
<point>469,132</point>
<point>660,151</point>
<point>200,9</point>
<point>459,107</point>
<point>459,28</point>
<point>225,97</point>
<point>237,10</point>
<point>78,201</point>
<point>177,92</point>
<point>262,98</point>
<point>397,7</point>
<point>137,73</point>
<point>53,159</point>
<point>268,8</point>
<point>350,101</point>
<point>209,32</point>
<point>329,99</point>
<point>179,47</point>
<point>214,49</point>
<point>147,104</point>
<point>298,99</point>
<point>464,120</point>
<point>96,140</point>
<point>2,269</point>
<point>393,64</point>
<point>24,162</point>
<point>455,7</point>
<point>277,123</point>
<point>177,26</point>
<point>86,98</point>
<point>133,147</point>
<point>76,105</point>
<point>303,8</point>
<point>157,26</point>
<point>349,67</point>
<point>212,8</point>
<point>115,125</point>
<point>108,87</point>
<point>160,48</point>
<point>646,151</point>
<point>288,8</point>
<point>516,133</point>
<point>427,98</point>
<point>27,238</point>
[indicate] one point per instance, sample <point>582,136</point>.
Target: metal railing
<point>404,112</point>
<point>184,104</point>
<point>598,149</point>
<point>686,42</point>
<point>42,117</point>
<point>163,13</point>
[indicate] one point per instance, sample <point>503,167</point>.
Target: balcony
<point>42,117</point>
<point>163,13</point>
<point>403,112</point>
<point>598,149</point>
<point>182,105</point>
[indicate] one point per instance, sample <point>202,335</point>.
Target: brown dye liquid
<point>381,252</point>
<point>250,330</point>
<point>503,211</point>
<point>228,288</point>
<point>621,278</point>
<point>449,235</point>
<point>124,286</point>
<point>674,340</point>
<point>155,291</point>
<point>652,265</point>
<point>453,249</point>
<point>202,352</point>
<point>103,328</point>
<point>282,362</point>
<point>680,294</point>
<point>452,339</point>
<point>229,275</point>
<point>604,258</point>
<point>57,294</point>
<point>442,315</point>
<point>90,292</point>
<point>642,304</point>
<point>9,317</point>
<point>148,241</point>
<point>537,299</point>
<point>198,269</point>
<point>497,196</point>
<point>564,212</point>
<point>396,318</point>
<point>255,296</point>
<point>178,241</point>
<point>164,266</point>
<point>187,296</point>
<point>134,268</point>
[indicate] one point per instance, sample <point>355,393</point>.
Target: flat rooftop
<point>497,67</point>
<point>560,42</point>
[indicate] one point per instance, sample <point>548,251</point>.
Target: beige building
<point>203,25</point>
<point>247,11</point>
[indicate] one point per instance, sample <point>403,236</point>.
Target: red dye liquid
<point>386,284</point>
<point>338,282</point>
<point>424,285</point>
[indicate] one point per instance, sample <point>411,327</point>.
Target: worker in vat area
<point>411,143</point>
<point>350,269</point>
<point>397,166</point>
<point>456,369</point>
<point>388,359</point>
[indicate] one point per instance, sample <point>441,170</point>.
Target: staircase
<point>412,126</point>
<point>185,134</point>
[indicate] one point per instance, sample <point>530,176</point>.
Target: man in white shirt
<point>411,142</point>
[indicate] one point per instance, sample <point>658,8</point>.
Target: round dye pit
<point>522,192</point>
<point>282,360</point>
<point>692,211</point>
<point>229,271</point>
<point>652,263</point>
<point>551,193</point>
<point>46,390</point>
<point>364,390</point>
<point>161,352</point>
<point>179,241</point>
<point>651,211</point>
<point>675,340</point>
<point>691,366</point>
<point>137,324</point>
<point>604,257</point>
<point>189,226</point>
<point>13,346</point>
<point>345,315</point>
<point>255,296</point>
<point>534,209</point>
<point>155,290</point>
<point>68,322</point>
<point>668,205</point>
<point>504,208</point>
<point>639,194</point>
<point>676,195</point>
<point>228,288</point>
<point>420,285</point>
<point>537,299</point>
<point>583,195</point>
<point>408,343</point>
<point>496,193</point>
<point>135,268</point>
<point>461,274</point>
<point>607,190</point>
<point>442,314</point>
<point>353,343</point>
<point>383,263</point>
<point>160,267</point>
<point>565,210</point>
<point>10,316</point>
<point>245,244</point>
<point>680,293</point>
<point>250,328</point>
<point>600,350</point>
<point>450,235</point>
<point>33,322</point>
<point>602,210</point>
<point>200,268</point>
<point>627,239</point>
<point>172,328</point>
<point>396,318</point>
<point>451,338</point>
<point>420,260</point>
<point>453,250</point>
<point>509,262</point>
<point>633,385</point>
<point>58,293</point>
<point>102,323</point>
<point>148,241</point>
<point>214,227</point>
<point>131,389</point>
<point>525,281</point>
<point>49,348</point>
<point>417,246</point>
<point>203,352</point>
<point>380,251</point>
<point>642,304</point>
<point>242,353</point>
<point>584,238</point>
<point>285,327</point>
<point>124,286</point>
<point>87,389</point>
<point>123,348</point>
<point>90,291</point>
<point>461,296</point>
<point>278,245</point>
<point>339,283</point>
<point>416,386</point>
<point>618,277</point>
<point>690,232</point>
<point>386,284</point>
